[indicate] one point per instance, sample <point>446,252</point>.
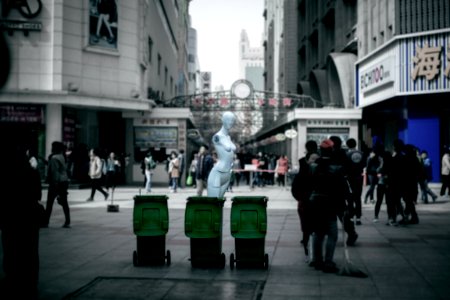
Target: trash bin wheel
<point>168,259</point>
<point>266,261</point>
<point>232,261</point>
<point>223,260</point>
<point>135,259</point>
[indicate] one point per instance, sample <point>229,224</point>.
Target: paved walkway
<point>93,259</point>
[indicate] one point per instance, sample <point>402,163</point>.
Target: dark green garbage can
<point>151,224</point>
<point>248,225</point>
<point>203,225</point>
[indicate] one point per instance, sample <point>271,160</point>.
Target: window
<point>159,64</point>
<point>166,72</point>
<point>150,49</point>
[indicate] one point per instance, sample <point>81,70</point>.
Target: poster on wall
<point>156,137</point>
<point>103,23</point>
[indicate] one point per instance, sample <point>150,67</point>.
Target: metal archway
<point>257,111</point>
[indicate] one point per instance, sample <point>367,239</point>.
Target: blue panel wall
<point>423,132</point>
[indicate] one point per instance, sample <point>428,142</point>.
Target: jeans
<point>58,190</point>
<point>331,231</point>
<point>426,191</point>
<point>373,181</point>
<point>174,184</point>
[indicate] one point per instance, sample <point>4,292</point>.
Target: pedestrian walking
<point>174,171</point>
<point>193,171</point>
<point>149,166</point>
<point>395,171</point>
<point>426,177</point>
<point>329,191</point>
<point>301,192</point>
<point>95,173</point>
<point>355,169</point>
<point>204,166</point>
<point>237,167</point>
<point>281,169</point>
<point>373,163</point>
<point>112,172</point>
<point>341,161</point>
<point>182,163</point>
<point>445,173</point>
<point>58,183</point>
<point>382,187</point>
<point>412,170</point>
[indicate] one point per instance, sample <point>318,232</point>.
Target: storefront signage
<point>28,9</point>
<point>377,75</point>
<point>21,114</point>
<point>158,137</point>
<point>414,64</point>
<point>427,62</point>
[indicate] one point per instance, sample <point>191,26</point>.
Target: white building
<point>88,83</point>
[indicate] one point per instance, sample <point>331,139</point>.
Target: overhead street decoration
<point>254,109</point>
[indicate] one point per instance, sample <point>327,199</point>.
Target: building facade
<point>310,50</point>
<point>84,69</point>
<point>251,62</point>
<point>403,74</point>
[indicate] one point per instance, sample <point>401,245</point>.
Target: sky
<point>219,24</point>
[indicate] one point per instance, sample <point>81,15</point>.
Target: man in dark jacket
<point>340,158</point>
<point>204,165</point>
<point>329,190</point>
<point>301,191</point>
<point>58,182</point>
<point>355,168</point>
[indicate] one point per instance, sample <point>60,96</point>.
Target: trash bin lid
<point>249,199</point>
<point>204,199</point>
<point>151,198</point>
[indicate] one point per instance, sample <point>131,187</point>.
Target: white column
<point>53,126</point>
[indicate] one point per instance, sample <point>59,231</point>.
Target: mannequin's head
<point>228,119</point>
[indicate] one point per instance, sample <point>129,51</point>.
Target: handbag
<point>189,180</point>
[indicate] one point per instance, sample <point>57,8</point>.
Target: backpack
<point>151,163</point>
<point>356,162</point>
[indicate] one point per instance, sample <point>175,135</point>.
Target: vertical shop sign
<point>69,127</point>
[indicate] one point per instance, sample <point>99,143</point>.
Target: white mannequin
<point>219,177</point>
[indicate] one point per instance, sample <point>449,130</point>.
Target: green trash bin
<point>151,224</point>
<point>203,225</point>
<point>248,225</point>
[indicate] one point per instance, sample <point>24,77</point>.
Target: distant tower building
<point>193,64</point>
<point>251,62</point>
<point>273,32</point>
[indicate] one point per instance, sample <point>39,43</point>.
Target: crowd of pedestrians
<point>329,184</point>
<point>328,188</point>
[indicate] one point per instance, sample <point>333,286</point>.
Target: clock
<point>242,89</point>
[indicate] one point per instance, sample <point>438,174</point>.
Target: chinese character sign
<point>427,62</point>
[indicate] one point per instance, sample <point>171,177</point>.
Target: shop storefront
<point>403,89</point>
<point>162,131</point>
